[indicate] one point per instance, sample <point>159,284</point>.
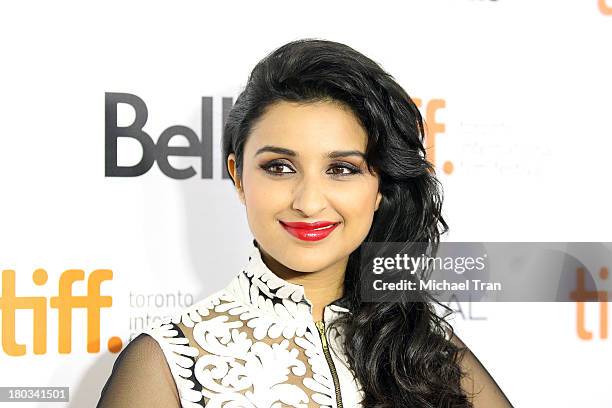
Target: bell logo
<point>604,8</point>
<point>159,152</point>
<point>64,302</point>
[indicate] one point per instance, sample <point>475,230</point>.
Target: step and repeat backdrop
<point>516,95</point>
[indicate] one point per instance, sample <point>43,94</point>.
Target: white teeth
<point>322,228</point>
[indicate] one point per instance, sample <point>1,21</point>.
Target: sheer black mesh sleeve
<point>141,378</point>
<point>480,387</point>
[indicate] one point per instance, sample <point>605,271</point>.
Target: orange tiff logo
<point>580,295</point>
<point>604,8</point>
<point>432,129</point>
<point>64,302</point>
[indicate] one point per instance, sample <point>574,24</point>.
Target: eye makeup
<point>276,163</point>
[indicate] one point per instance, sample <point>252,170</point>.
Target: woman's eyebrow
<point>332,155</point>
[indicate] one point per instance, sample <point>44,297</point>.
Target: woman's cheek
<point>361,211</point>
<point>266,200</point>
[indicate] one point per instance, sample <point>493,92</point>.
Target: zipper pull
<point>321,327</point>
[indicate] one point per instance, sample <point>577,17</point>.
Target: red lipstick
<point>310,231</point>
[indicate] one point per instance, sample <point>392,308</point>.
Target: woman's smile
<point>306,231</point>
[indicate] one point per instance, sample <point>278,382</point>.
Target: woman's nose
<point>309,196</point>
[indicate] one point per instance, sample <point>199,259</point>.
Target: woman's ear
<point>233,172</point>
<point>378,200</point>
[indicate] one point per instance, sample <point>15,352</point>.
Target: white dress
<point>255,344</point>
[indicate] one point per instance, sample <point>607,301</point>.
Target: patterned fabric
<point>255,344</point>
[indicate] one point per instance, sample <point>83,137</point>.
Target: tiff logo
<point>432,128</point>
<point>64,302</point>
<point>580,295</point>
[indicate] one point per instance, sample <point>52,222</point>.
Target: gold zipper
<point>321,327</point>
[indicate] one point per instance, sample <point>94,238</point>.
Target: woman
<point>326,152</point>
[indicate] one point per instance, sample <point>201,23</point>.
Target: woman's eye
<point>276,168</point>
<point>349,170</point>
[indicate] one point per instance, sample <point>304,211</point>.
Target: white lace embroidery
<point>251,368</point>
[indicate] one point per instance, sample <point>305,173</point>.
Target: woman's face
<point>304,184</point>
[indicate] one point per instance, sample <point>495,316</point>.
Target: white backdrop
<point>518,93</point>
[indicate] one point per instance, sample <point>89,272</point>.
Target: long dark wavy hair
<point>399,351</point>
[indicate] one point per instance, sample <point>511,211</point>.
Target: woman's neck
<point>320,287</point>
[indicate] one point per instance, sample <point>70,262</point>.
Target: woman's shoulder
<point>172,338</point>
<point>481,388</point>
<point>141,377</point>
